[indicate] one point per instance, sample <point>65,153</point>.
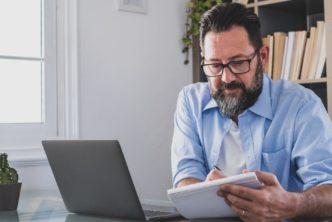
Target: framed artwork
<point>136,6</point>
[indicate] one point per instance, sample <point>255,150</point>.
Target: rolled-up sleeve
<point>312,151</point>
<point>187,152</point>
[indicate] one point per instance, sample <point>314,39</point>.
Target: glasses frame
<point>227,65</point>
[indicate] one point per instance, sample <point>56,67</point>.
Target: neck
<point>235,118</point>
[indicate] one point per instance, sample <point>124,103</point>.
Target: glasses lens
<point>212,69</point>
<point>238,67</point>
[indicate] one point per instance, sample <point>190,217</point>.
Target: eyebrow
<point>238,56</point>
<point>229,59</point>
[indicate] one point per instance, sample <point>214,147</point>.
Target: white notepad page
<point>201,200</point>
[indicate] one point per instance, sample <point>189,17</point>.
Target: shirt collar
<point>262,107</point>
<point>210,104</point>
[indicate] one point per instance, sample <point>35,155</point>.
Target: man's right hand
<point>187,181</point>
<point>214,174</point>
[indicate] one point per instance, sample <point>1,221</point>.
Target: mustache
<point>232,85</point>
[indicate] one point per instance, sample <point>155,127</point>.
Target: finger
<point>214,174</point>
<point>218,173</point>
<point>246,171</point>
<point>267,178</point>
<point>240,191</point>
<point>238,201</point>
<point>242,213</point>
<point>227,202</point>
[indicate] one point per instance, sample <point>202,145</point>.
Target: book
<point>278,51</point>
<point>316,47</point>
<point>297,56</point>
<point>307,54</point>
<point>268,41</point>
<point>287,61</point>
<point>282,74</point>
<point>200,200</point>
<point>322,57</point>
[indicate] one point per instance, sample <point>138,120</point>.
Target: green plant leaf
<point>195,10</point>
<point>185,49</point>
<point>190,4</point>
<point>186,41</point>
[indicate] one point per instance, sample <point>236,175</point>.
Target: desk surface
<point>47,206</point>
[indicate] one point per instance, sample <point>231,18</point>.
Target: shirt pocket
<point>276,162</point>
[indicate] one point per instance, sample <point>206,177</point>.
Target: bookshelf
<point>296,15</point>
<point>286,16</point>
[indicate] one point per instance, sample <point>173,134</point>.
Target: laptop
<point>93,179</point>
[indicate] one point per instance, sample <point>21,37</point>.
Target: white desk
<point>47,206</point>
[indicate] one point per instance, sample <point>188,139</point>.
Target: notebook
<point>93,179</point>
<point>201,200</point>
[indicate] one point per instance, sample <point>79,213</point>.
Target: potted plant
<point>10,188</point>
<point>195,10</point>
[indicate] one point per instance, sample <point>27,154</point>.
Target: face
<point>234,92</point>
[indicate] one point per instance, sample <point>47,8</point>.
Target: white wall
<point>130,72</point>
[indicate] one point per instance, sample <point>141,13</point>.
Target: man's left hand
<point>268,203</point>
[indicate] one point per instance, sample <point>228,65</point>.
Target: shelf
<point>321,80</point>
<point>266,2</point>
<point>298,15</point>
<point>293,15</point>
<point>302,6</point>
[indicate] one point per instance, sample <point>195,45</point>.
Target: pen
<point>216,168</point>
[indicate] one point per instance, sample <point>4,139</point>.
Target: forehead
<point>226,44</point>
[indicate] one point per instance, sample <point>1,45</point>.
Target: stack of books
<point>297,55</point>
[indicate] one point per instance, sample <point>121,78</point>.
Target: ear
<point>264,54</point>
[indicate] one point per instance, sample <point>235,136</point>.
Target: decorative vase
<point>9,196</point>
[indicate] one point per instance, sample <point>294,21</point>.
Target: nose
<point>227,76</point>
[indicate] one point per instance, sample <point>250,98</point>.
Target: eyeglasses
<point>236,67</point>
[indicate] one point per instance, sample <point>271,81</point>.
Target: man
<point>243,121</point>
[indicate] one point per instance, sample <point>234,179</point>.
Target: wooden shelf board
<point>267,2</point>
<point>321,80</point>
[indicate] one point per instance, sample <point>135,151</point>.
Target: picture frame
<point>135,6</point>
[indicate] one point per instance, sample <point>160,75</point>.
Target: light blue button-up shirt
<point>286,132</point>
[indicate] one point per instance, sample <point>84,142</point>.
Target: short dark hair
<point>224,16</point>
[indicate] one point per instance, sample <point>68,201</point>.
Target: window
<point>28,83</point>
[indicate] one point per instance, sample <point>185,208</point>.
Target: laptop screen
<point>93,178</point>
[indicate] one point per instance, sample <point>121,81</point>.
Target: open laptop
<point>93,178</point>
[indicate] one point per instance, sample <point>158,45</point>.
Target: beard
<point>233,104</point>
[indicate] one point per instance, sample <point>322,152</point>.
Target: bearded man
<point>242,121</point>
